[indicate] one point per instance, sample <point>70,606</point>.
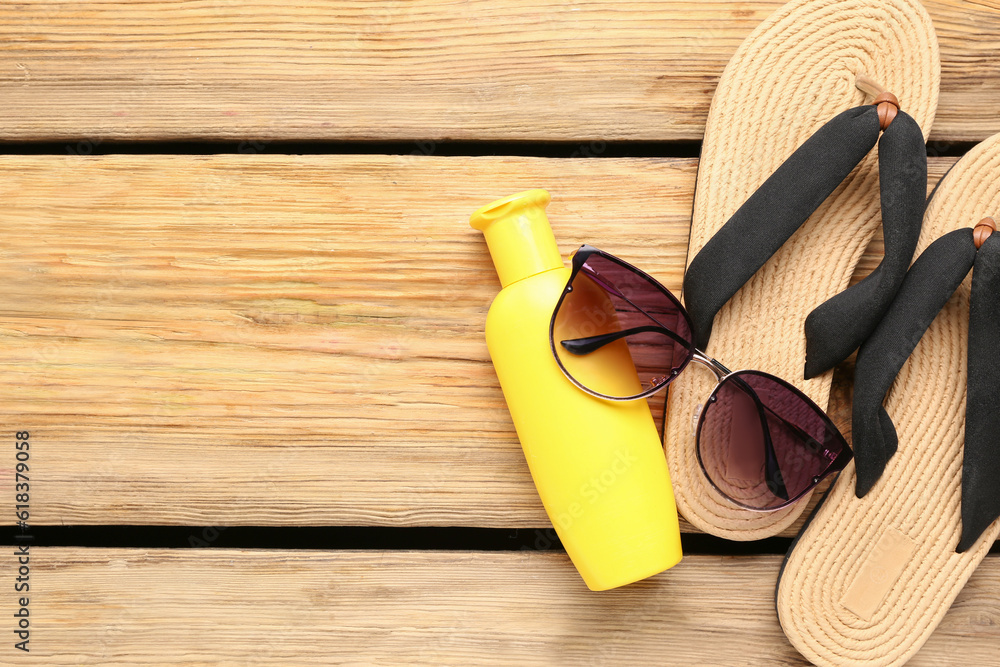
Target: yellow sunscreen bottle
<point>597,464</point>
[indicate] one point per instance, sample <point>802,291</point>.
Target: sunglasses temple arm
<point>841,459</point>
<point>580,346</point>
<point>836,465</point>
<point>771,468</point>
<point>614,291</point>
<point>592,343</point>
<point>798,431</point>
<point>788,424</point>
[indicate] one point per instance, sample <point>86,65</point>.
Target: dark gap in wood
<point>344,537</point>
<point>350,537</point>
<point>709,545</point>
<point>422,147</point>
<point>552,149</point>
<point>288,537</point>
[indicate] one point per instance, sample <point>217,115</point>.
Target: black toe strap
<point>981,462</point>
<point>931,281</point>
<point>838,327</point>
<point>786,200</point>
<point>935,276</point>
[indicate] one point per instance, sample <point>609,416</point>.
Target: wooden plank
<point>281,340</point>
<point>407,70</point>
<point>185,607</point>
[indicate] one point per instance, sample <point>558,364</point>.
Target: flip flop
<point>798,70</point>
<point>870,577</point>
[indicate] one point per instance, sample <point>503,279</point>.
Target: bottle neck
<point>519,236</point>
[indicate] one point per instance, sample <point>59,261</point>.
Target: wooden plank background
<point>286,340</point>
<point>411,69</point>
<point>283,340</point>
<point>195,607</point>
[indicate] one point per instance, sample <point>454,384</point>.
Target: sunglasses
<point>761,442</point>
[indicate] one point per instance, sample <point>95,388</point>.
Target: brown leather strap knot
<point>887,106</point>
<point>982,231</point>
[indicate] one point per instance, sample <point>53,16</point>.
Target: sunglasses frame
<point>580,257</point>
<point>836,464</point>
<point>722,374</point>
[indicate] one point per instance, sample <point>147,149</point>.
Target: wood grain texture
<point>406,70</point>
<point>187,607</point>
<point>237,340</point>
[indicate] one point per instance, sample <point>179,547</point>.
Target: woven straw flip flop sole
<point>792,74</point>
<point>869,579</point>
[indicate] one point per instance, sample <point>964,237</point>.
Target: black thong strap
<point>786,200</point>
<point>928,286</point>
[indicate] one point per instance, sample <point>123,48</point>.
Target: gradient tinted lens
<point>763,443</point>
<point>618,333</point>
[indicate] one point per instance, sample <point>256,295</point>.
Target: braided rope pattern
<point>792,74</point>
<point>920,491</point>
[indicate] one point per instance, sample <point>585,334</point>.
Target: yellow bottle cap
<point>519,236</point>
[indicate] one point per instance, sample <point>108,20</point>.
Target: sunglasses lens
<point>619,334</point>
<point>762,443</point>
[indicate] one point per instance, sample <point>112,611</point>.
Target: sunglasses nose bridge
<point>711,364</point>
